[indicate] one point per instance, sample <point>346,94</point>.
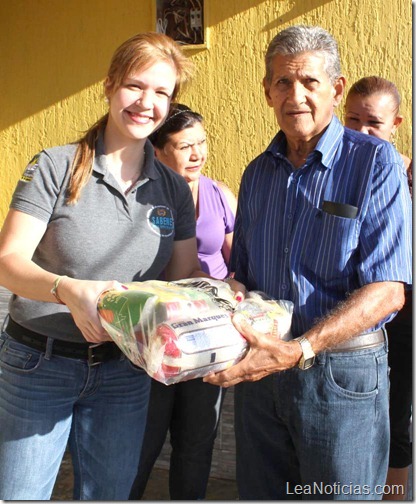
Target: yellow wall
<point>54,55</point>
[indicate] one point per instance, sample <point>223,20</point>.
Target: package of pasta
<point>173,330</point>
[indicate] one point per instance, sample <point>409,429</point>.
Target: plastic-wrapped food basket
<point>178,331</point>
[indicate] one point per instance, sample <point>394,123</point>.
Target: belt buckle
<point>91,355</point>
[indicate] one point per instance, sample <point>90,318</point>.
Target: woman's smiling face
<point>142,102</point>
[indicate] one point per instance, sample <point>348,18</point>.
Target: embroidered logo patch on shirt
<point>30,170</point>
<point>160,220</point>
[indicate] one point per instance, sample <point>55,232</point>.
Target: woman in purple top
<point>181,143</point>
<point>189,410</point>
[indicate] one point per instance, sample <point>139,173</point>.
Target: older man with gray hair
<point>323,220</point>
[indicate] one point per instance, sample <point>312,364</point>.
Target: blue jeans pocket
<point>354,374</point>
<point>17,357</point>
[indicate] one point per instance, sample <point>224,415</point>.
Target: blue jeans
<point>325,429</point>
<point>190,411</point>
<point>47,401</point>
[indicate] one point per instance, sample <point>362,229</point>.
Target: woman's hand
<point>81,297</point>
<point>238,288</point>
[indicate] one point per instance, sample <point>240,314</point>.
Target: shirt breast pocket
<point>329,249</point>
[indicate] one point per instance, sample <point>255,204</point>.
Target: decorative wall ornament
<point>183,20</point>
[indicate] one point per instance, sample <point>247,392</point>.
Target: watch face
<point>308,362</point>
<point>308,355</point>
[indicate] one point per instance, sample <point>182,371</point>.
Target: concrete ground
<point>157,487</point>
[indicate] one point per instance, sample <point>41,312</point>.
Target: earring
<point>393,137</point>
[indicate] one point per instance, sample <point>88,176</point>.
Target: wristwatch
<point>308,355</point>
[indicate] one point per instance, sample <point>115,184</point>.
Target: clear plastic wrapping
<point>178,331</point>
<point>267,315</point>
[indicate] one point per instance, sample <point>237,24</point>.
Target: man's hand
<point>267,354</point>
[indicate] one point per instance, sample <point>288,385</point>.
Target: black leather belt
<point>94,353</point>
<point>361,342</point>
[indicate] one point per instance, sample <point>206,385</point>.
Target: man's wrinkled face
<point>302,94</point>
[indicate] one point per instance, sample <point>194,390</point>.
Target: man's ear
<point>339,88</point>
<point>397,122</point>
<point>266,86</point>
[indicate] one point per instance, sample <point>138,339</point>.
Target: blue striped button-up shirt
<point>292,242</point>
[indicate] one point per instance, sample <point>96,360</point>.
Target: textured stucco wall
<point>55,54</point>
<point>374,38</point>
